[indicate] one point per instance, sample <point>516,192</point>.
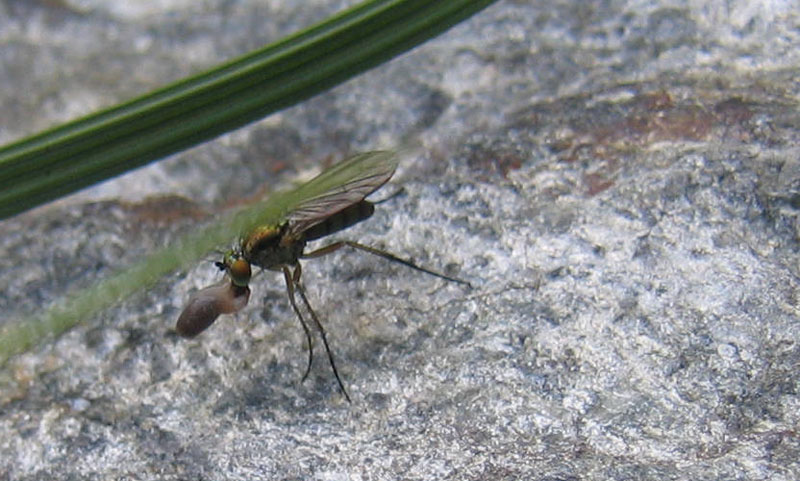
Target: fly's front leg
<point>290,284</point>
<point>299,286</point>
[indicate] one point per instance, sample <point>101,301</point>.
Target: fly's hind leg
<point>381,253</point>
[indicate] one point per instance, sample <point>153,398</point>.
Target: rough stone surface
<point>619,180</point>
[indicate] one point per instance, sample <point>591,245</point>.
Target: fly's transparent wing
<point>339,187</point>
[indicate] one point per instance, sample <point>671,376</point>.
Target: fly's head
<point>237,268</point>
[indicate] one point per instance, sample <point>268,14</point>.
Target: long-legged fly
<point>332,201</point>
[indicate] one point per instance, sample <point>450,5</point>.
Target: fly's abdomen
<point>341,220</point>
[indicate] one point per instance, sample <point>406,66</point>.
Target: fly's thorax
<point>260,238</point>
<point>270,247</point>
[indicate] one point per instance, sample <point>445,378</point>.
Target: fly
<point>332,201</point>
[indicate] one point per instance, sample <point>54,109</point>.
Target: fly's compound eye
<point>240,272</point>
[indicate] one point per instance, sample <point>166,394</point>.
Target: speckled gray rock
<point>619,180</point>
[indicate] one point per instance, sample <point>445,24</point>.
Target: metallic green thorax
<point>269,247</point>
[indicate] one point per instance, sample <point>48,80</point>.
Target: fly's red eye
<point>239,271</point>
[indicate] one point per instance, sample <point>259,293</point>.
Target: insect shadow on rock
<point>330,202</point>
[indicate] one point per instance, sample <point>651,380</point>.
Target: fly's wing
<point>339,187</point>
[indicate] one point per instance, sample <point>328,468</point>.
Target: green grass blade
<point>100,146</point>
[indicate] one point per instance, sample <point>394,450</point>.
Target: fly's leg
<point>290,283</point>
<point>293,285</point>
<point>299,287</point>
<point>386,255</point>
